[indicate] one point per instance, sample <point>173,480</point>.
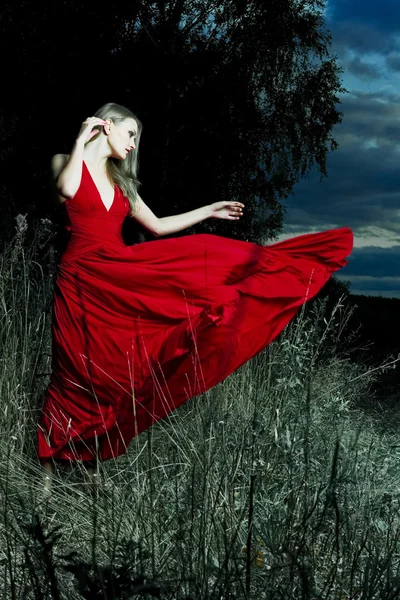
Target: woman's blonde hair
<point>123,173</point>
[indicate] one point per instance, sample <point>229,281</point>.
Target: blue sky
<point>362,189</point>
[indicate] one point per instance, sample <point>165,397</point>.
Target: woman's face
<point>122,137</point>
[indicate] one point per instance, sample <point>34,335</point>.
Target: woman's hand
<point>227,210</point>
<point>87,131</point>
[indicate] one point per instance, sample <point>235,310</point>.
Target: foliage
<point>238,99</point>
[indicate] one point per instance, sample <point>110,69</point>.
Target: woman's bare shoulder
<point>58,162</point>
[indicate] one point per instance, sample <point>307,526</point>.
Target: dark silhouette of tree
<point>238,99</point>
<point>240,103</point>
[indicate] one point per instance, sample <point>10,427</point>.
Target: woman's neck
<point>96,154</point>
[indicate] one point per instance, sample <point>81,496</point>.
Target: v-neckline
<point>98,191</point>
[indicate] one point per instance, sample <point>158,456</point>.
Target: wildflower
<point>22,224</point>
<point>259,559</point>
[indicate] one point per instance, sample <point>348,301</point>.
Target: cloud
<point>363,69</point>
<point>362,189</point>
<point>373,271</point>
<point>388,287</point>
<point>360,37</point>
<point>364,26</point>
<point>383,15</point>
<point>393,61</point>
<point>375,262</point>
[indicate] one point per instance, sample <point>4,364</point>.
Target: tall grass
<point>274,484</point>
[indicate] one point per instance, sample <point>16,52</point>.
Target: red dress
<point>137,330</point>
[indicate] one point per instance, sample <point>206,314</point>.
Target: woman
<point>138,330</point>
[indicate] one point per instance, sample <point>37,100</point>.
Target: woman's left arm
<point>231,211</point>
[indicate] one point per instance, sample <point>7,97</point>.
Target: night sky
<point>362,189</point>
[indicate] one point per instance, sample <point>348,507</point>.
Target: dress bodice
<point>91,223</point>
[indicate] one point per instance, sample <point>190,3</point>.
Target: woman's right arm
<point>67,169</point>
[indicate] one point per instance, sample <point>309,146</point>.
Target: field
<point>274,484</point>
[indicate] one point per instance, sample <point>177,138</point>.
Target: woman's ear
<point>107,128</point>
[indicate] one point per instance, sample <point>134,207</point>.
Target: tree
<point>241,101</point>
<point>238,98</point>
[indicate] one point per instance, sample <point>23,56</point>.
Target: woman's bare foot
<point>47,477</point>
